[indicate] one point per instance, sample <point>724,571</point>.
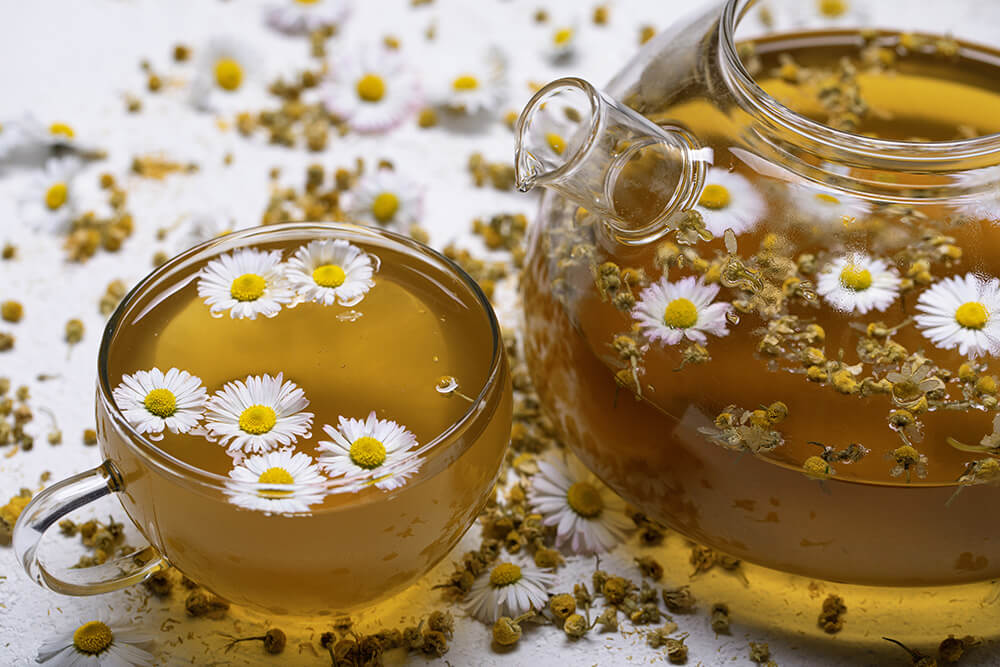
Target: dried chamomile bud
<point>720,618</point>
<point>650,567</point>
<point>575,626</point>
<point>677,651</point>
<point>200,602</point>
<point>608,620</point>
<point>760,652</point>
<point>506,631</point>
<point>679,600</point>
<point>11,311</point>
<point>831,618</point>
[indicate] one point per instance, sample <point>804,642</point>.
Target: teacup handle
<point>52,504</point>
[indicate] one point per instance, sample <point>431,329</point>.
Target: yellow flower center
<point>329,275</point>
<point>832,8</point>
<point>825,198</point>
<point>385,206</point>
<point>275,475</point>
<point>505,574</point>
<point>562,36</point>
<point>555,142</point>
<point>715,197</point>
<point>92,638</point>
<point>680,314</point>
<point>56,195</point>
<point>367,452</point>
<point>228,74</point>
<point>465,82</point>
<point>585,499</point>
<point>972,315</point>
<point>63,129</point>
<point>854,278</point>
<point>258,419</point>
<point>307,2</point>
<point>248,287</point>
<point>161,402</point>
<point>371,88</point>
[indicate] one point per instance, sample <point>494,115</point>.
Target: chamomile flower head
<point>371,89</point>
<point>561,39</point>
<point>837,13</point>
<point>962,312</point>
<point>480,85</point>
<point>153,400</point>
<point>56,134</point>
<point>509,588</point>
<point>588,516</point>
<point>97,642</point>
<point>258,414</point>
<point>670,312</point>
<point>823,207</point>
<point>202,226</point>
<point>366,452</point>
<point>856,283</point>
<point>245,282</point>
<point>48,202</point>
<point>729,201</point>
<point>278,482</point>
<point>296,17</point>
<point>386,198</point>
<point>227,73</point>
<point>331,271</point>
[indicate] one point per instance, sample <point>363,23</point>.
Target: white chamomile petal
<point>823,207</point>
<point>561,38</point>
<point>245,282</point>
<point>49,201</point>
<point>670,312</point>
<point>589,517</point>
<point>277,482</point>
<point>200,227</point>
<point>258,414</point>
<point>372,89</point>
<point>858,283</point>
<point>97,642</point>
<point>509,588</point>
<point>370,452</point>
<point>729,201</point>
<point>27,132</point>
<point>962,312</point>
<point>298,17</point>
<point>479,86</point>
<point>152,400</point>
<point>227,75</point>
<point>331,271</point>
<point>386,198</point>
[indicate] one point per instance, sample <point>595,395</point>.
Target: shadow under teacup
<point>304,418</point>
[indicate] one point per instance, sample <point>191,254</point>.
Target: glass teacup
<point>350,539</point>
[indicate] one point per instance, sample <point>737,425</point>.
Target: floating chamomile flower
<point>729,201</point>
<point>258,414</point>
<point>962,312</point>
<point>561,39</point>
<point>279,482</point>
<point>670,312</point>
<point>509,589</point>
<point>225,71</point>
<point>375,452</point>
<point>858,283</point>
<point>153,400</point>
<point>588,516</point>
<point>331,271</point>
<point>48,201</point>
<point>97,643</point>
<point>296,17</point>
<point>825,207</point>
<point>386,198</point>
<point>481,86</point>
<point>245,282</point>
<point>372,90</point>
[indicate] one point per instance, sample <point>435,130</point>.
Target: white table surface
<point>74,60</point>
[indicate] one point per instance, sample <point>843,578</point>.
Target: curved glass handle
<point>52,504</point>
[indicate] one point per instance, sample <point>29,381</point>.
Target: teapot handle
<point>52,504</point>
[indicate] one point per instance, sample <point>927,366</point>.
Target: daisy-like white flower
<point>386,198</point>
<point>10,138</point>
<point>296,17</point>
<point>841,13</point>
<point>202,226</point>
<point>480,86</point>
<point>245,282</point>
<point>372,90</point>
<point>330,271</point>
<point>825,207</point>
<point>671,312</point>
<point>29,131</point>
<point>589,517</point>
<point>962,312</point>
<point>97,643</point>
<point>858,283</point>
<point>226,71</point>
<point>48,202</point>
<point>153,400</point>
<point>258,414</point>
<point>279,482</point>
<point>374,451</point>
<point>509,589</point>
<point>561,39</point>
<point>729,201</point>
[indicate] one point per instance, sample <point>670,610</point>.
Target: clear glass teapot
<point>761,296</point>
